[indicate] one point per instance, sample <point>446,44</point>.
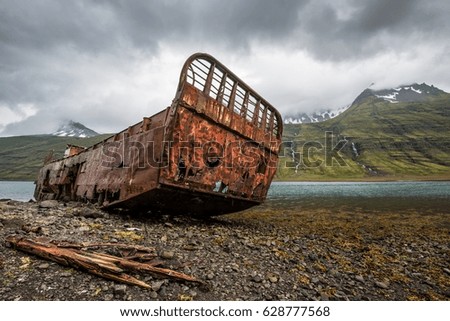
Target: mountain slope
<point>74,129</point>
<point>22,156</point>
<point>315,117</point>
<point>385,135</point>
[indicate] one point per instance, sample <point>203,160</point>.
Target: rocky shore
<point>261,254</point>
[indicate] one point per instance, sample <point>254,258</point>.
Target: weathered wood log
<point>130,252</point>
<point>121,246</point>
<point>101,264</point>
<point>70,258</point>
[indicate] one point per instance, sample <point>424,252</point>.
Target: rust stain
<point>213,151</point>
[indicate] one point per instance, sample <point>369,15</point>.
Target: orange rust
<point>73,150</point>
<point>213,151</point>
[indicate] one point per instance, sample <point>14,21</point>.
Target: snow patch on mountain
<point>409,93</point>
<point>74,129</point>
<point>315,117</point>
<point>392,97</point>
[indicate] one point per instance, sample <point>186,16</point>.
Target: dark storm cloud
<point>34,33</point>
<point>100,26</point>
<point>241,22</point>
<point>44,25</point>
<point>384,14</point>
<point>147,23</point>
<point>370,27</point>
<point>64,59</point>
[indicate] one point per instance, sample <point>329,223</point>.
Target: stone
<point>313,256</point>
<point>83,229</point>
<point>163,292</point>
<point>109,297</point>
<point>87,213</point>
<point>359,278</point>
<point>156,286</point>
<point>335,273</point>
<point>382,285</point>
<point>120,290</point>
<point>133,229</point>
<point>324,297</point>
<point>273,279</point>
<point>340,295</point>
<point>48,204</point>
<point>167,254</point>
<point>257,278</point>
<point>43,266</point>
<point>210,276</point>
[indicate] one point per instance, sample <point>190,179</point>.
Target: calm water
<point>363,195</point>
<point>297,195</point>
<point>20,191</point>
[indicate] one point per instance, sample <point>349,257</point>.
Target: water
<point>297,195</point>
<point>363,195</point>
<point>17,190</point>
<point>282,190</point>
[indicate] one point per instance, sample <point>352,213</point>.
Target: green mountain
<point>22,156</point>
<point>401,133</point>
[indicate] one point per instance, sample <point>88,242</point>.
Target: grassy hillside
<point>22,156</point>
<point>382,140</point>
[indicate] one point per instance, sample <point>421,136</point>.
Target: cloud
<point>20,113</point>
<point>109,63</point>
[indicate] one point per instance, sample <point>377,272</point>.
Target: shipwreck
<point>213,151</point>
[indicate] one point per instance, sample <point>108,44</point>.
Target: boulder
<point>48,204</point>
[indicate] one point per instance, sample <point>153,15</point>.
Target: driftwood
<point>130,252</point>
<point>101,264</point>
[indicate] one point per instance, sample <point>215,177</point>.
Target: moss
<point>129,235</point>
<point>96,226</point>
<point>386,245</point>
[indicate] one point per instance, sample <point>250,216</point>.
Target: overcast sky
<point>107,64</point>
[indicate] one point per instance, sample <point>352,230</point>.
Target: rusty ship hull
<point>213,151</point>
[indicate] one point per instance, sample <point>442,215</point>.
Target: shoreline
<point>373,179</point>
<point>328,179</point>
<point>261,254</point>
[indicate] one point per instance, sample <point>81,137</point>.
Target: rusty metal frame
<point>275,123</point>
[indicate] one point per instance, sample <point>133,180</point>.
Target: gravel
<point>251,256</point>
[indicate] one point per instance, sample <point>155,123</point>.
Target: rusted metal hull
<point>173,200</point>
<point>213,151</point>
